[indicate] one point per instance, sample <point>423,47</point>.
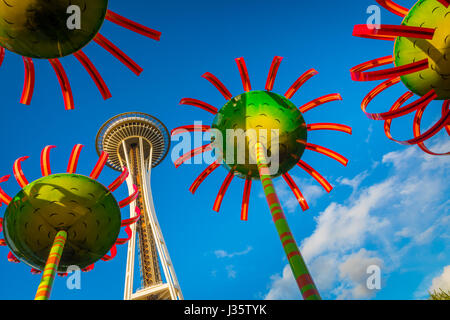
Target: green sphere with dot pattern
<point>77,204</point>
<point>40,29</point>
<point>427,14</point>
<point>250,118</point>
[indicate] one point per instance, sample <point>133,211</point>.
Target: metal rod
<point>298,265</point>
<point>51,267</point>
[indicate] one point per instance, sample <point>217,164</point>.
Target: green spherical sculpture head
<point>77,204</point>
<point>49,29</point>
<point>259,116</point>
<point>427,14</point>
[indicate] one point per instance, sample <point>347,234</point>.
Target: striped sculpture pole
<point>51,267</point>
<point>298,266</point>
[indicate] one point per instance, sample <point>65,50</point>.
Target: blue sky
<point>389,206</point>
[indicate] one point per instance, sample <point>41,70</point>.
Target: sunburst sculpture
<point>39,29</point>
<point>265,111</point>
<point>61,220</point>
<point>421,61</point>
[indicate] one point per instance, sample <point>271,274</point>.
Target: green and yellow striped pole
<point>51,267</point>
<point>298,266</point>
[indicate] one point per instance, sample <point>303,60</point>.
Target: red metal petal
<point>327,152</point>
<point>329,126</point>
<point>218,84</point>
<point>28,86</point>
<point>319,101</point>
<point>192,154</point>
<point>245,199</point>
<point>391,32</point>
<point>18,173</point>
<point>64,83</point>
<point>203,176</point>
<point>99,166</point>
<point>300,81</point>
<point>130,221</point>
<point>4,198</point>
<point>118,182</point>
<point>393,7</point>
<point>118,54</point>
<point>222,191</point>
<point>295,189</point>
<point>199,104</point>
<point>273,73</point>
<point>244,74</point>
<point>93,72</point>
<point>133,26</point>
<point>130,198</point>
<point>45,161</point>
<point>316,175</point>
<point>74,156</point>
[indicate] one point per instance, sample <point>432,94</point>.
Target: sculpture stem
<point>298,266</point>
<point>51,267</point>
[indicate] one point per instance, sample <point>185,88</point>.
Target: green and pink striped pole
<point>298,266</point>
<point>51,267</point>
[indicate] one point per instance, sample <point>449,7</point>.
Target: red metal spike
<point>192,154</point>
<point>133,26</point>
<point>244,74</point>
<point>130,198</point>
<point>329,126</point>
<point>74,156</point>
<point>199,104</point>
<point>316,175</point>
<point>64,83</point>
<point>4,198</point>
<point>94,73</point>
<point>118,182</point>
<point>118,54</point>
<point>246,199</point>
<point>300,82</point>
<point>99,166</point>
<point>218,84</point>
<point>28,86</point>
<point>298,194</point>
<point>203,176</point>
<point>393,7</point>
<point>273,73</point>
<point>391,32</point>
<point>319,101</point>
<point>327,152</point>
<point>45,161</point>
<point>18,173</point>
<point>222,191</point>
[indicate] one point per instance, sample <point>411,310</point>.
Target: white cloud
<point>442,281</point>
<point>230,271</point>
<point>406,210</point>
<point>283,287</point>
<point>224,254</point>
<point>354,273</point>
